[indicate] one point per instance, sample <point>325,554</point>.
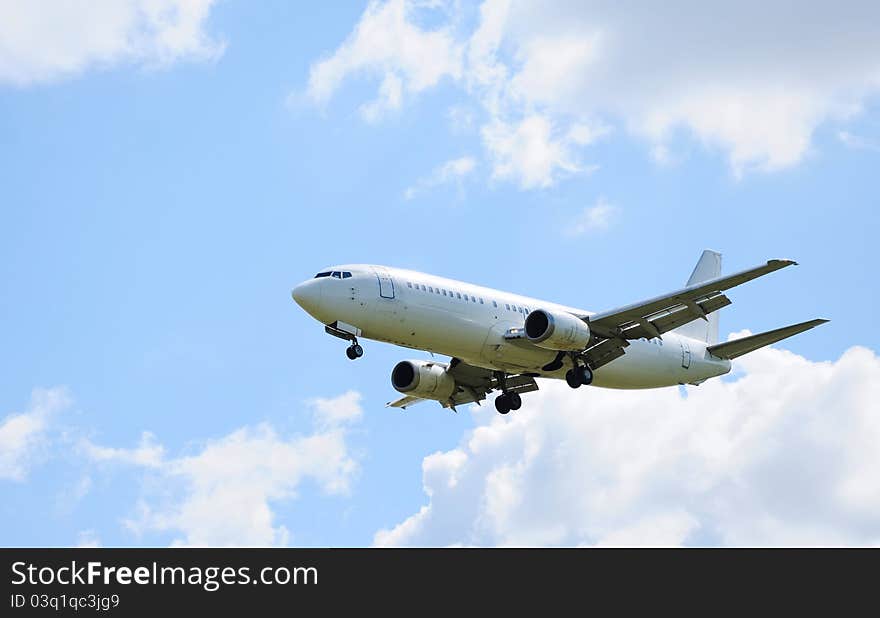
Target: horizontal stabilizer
<point>738,347</point>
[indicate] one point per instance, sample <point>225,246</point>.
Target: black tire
<point>350,353</point>
<point>358,350</point>
<point>502,404</point>
<point>515,401</point>
<point>587,375</point>
<point>573,378</point>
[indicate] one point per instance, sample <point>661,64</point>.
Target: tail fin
<point>708,267</point>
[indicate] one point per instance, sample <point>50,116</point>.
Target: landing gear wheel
<point>514,400</point>
<point>502,404</point>
<point>354,351</point>
<point>574,378</point>
<point>586,376</point>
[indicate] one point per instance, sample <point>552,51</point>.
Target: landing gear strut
<point>354,351</point>
<point>579,376</point>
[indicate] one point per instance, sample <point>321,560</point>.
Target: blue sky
<point>161,193</point>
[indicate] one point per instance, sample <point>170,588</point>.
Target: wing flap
<point>404,402</point>
<point>670,319</point>
<point>738,347</point>
<point>605,351</point>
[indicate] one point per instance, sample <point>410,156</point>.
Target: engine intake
<point>557,330</point>
<point>425,379</point>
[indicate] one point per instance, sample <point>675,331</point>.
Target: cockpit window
<point>336,274</point>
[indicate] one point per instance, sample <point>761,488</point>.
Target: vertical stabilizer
<point>708,267</point>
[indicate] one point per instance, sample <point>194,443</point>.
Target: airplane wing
<point>738,347</point>
<point>472,385</point>
<point>653,317</point>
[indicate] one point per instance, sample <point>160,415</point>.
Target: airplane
<point>499,341</point>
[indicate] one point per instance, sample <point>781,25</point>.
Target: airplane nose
<point>308,296</point>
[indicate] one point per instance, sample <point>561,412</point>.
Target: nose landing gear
<point>349,333</point>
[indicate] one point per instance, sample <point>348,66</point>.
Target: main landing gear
<point>579,376</point>
<point>505,402</point>
<point>354,351</point>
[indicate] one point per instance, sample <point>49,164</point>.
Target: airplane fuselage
<point>480,326</point>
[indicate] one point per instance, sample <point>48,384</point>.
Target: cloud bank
<point>752,80</point>
<point>43,40</point>
<point>785,454</point>
<point>223,494</point>
<point>24,436</point>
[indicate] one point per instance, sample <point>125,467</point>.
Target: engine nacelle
<point>424,379</point>
<point>557,330</point>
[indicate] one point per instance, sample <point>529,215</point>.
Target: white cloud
<point>388,43</point>
<point>453,170</point>
<point>43,40</point>
<point>858,142</point>
<point>223,494</point>
<point>147,453</point>
<point>461,119</point>
<point>24,436</point>
<point>532,152</point>
<point>746,79</point>
<point>595,218</point>
<point>331,412</point>
<point>784,454</point>
<point>88,538</point>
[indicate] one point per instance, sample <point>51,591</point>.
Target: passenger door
<point>386,284</point>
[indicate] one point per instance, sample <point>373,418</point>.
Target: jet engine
<point>557,330</point>
<point>424,379</point>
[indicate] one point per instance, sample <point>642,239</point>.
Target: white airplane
<point>502,341</point>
